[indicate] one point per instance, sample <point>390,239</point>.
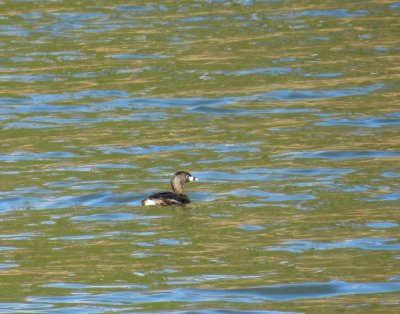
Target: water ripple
<point>291,95</point>
<point>270,174</point>
<point>7,265</point>
<point>107,217</point>
<point>278,108</point>
<point>367,122</point>
<point>97,199</point>
<point>371,244</point>
<point>20,236</point>
<point>155,149</point>
<point>46,102</point>
<point>386,197</point>
<point>273,197</point>
<point>206,278</point>
<point>22,156</point>
<point>251,295</point>
<point>335,13</point>
<point>341,154</point>
<point>138,56</point>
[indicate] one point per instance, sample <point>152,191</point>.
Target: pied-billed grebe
<point>172,198</point>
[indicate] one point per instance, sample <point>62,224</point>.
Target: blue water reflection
<point>373,244</point>
<point>367,122</point>
<point>342,154</point>
<point>47,102</point>
<point>287,113</point>
<point>283,292</point>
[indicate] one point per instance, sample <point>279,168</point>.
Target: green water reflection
<point>287,112</point>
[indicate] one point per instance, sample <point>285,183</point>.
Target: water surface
<point>287,112</point>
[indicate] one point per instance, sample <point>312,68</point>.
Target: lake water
<point>287,112</point>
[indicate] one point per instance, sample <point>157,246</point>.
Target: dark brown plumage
<point>177,197</point>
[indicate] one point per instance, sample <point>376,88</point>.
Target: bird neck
<point>177,186</point>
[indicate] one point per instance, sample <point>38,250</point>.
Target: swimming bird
<point>177,197</point>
